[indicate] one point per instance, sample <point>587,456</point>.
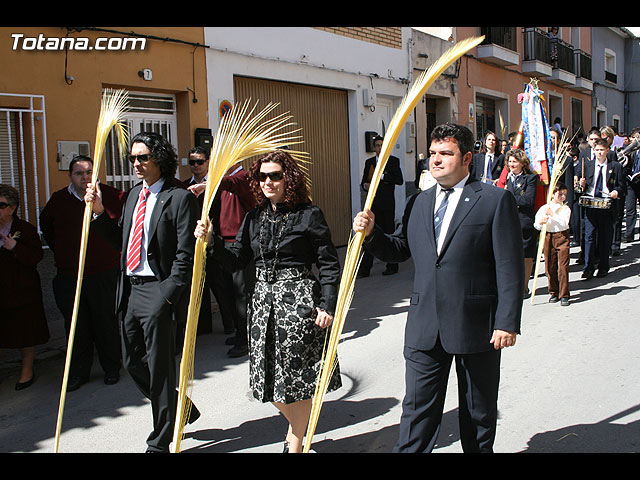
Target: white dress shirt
<point>558,222</point>
<point>144,269</point>
<point>454,197</point>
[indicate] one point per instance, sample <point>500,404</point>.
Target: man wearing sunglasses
<point>97,324</point>
<point>155,234</point>
<point>232,202</point>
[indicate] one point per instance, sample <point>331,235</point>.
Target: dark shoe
<point>580,261</point>
<point>587,274</point>
<point>553,299</point>
<point>27,384</point>
<point>111,378</point>
<point>194,414</point>
<point>615,253</point>
<point>564,302</point>
<point>238,351</point>
<point>362,274</point>
<point>602,274</point>
<point>627,239</point>
<point>75,383</point>
<point>231,340</point>
<point>390,271</point>
<point>526,294</point>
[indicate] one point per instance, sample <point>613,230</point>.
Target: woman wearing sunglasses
<point>290,309</point>
<point>23,324</point>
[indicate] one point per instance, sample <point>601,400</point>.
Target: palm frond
<point>352,260</point>
<point>243,133</point>
<point>113,107</point>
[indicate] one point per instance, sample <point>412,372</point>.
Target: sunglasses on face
<point>4,205</point>
<point>274,176</point>
<point>140,158</point>
<point>199,162</point>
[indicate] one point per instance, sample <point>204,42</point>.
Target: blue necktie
<point>489,167</point>
<point>439,215</point>
<point>598,190</point>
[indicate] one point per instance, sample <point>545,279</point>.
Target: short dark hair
<point>459,133</point>
<point>12,196</point>
<point>78,158</point>
<point>601,141</point>
<point>559,186</point>
<point>163,153</point>
<point>199,150</point>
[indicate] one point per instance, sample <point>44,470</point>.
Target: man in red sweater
<point>97,324</point>
<point>232,202</point>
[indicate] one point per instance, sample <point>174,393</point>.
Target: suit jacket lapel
<point>428,210</point>
<point>468,198</point>
<point>161,202</point>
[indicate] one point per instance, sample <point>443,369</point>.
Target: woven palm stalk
<point>241,135</point>
<point>559,166</point>
<point>352,259</point>
<point>113,107</point>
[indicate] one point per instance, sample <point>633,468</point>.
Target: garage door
<point>322,115</point>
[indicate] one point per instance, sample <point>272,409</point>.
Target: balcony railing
<point>536,45</point>
<point>564,55</point>
<point>503,36</point>
<point>583,64</point>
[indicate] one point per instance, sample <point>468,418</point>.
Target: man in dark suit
<point>602,178</point>
<point>487,164</point>
<point>465,241</point>
<point>155,234</point>
<point>384,203</point>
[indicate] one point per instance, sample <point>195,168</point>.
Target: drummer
<point>602,179</point>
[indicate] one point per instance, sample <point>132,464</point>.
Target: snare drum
<point>595,202</point>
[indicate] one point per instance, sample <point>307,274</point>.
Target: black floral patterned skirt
<point>285,344</point>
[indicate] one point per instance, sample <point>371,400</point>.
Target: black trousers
<point>631,212</point>
<point>599,229</point>
<point>149,353</point>
<point>97,323</point>
<point>426,377</point>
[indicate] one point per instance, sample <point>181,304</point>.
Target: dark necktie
<point>489,167</point>
<point>439,215</point>
<point>598,190</point>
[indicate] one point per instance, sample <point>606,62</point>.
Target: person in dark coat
<point>523,183</point>
<point>488,163</point>
<point>384,203</point>
<point>97,324</point>
<point>155,234</point>
<point>464,238</point>
<point>23,323</point>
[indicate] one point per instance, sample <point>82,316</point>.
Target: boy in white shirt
<point>556,243</point>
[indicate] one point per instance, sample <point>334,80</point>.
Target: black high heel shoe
<point>28,383</point>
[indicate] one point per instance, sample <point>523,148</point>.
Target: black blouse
<point>304,241</point>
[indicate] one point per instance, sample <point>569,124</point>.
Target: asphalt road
<point>569,385</point>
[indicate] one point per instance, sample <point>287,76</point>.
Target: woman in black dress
<point>23,323</point>
<point>290,309</point>
<point>522,183</point>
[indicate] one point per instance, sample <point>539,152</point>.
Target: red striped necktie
<point>133,255</point>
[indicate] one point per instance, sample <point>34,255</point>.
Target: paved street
<point>569,385</point>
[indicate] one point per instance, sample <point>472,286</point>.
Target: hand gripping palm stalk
<point>239,137</point>
<point>113,108</point>
<point>352,259</point>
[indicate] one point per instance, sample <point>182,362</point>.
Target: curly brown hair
<point>295,190</point>
<point>521,157</point>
